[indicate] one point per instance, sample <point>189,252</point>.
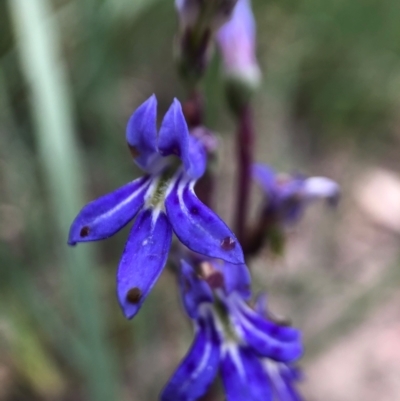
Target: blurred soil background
<point>72,72</point>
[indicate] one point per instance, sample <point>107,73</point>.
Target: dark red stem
<point>245,150</point>
<point>193,109</point>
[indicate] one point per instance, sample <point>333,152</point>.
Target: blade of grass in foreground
<point>58,152</point>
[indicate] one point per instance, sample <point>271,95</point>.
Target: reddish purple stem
<point>245,149</point>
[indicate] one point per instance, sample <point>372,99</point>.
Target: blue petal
<point>266,177</point>
<point>198,227</point>
<point>194,290</point>
<point>281,333</point>
<point>243,376</point>
<point>197,157</point>
<point>260,305</point>
<point>106,215</point>
<point>199,368</point>
<point>268,346</point>
<point>265,338</point>
<point>144,257</point>
<point>174,139</point>
<point>236,278</point>
<point>141,135</point>
<point>282,381</point>
<point>291,201</point>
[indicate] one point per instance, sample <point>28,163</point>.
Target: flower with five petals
<point>163,201</point>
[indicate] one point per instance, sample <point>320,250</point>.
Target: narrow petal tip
<point>198,227</point>
<point>141,134</point>
<point>143,260</point>
<point>103,217</point>
<point>133,300</point>
<point>173,138</point>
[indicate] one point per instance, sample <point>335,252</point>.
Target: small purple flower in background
<point>230,338</point>
<point>163,201</point>
<point>287,196</point>
<point>237,41</point>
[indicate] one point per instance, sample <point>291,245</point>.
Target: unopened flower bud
<point>237,42</point>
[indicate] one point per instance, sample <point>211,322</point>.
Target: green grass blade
<point>61,161</point>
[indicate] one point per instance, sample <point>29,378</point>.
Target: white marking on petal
<point>232,349</point>
<point>205,357</point>
<point>238,309</point>
<point>204,311</point>
<point>122,204</point>
<point>272,369</point>
<point>181,186</point>
<point>154,216</point>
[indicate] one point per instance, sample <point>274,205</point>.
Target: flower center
<point>163,183</point>
<point>222,315</point>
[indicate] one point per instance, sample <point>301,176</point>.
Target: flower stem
<point>193,109</point>
<point>245,150</point>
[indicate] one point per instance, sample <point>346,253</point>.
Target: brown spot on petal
<point>84,231</point>
<point>134,152</point>
<point>215,280</point>
<point>134,294</point>
<point>209,273</point>
<point>228,243</point>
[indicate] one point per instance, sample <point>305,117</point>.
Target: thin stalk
<point>245,151</point>
<point>38,45</point>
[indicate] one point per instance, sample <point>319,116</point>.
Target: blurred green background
<point>72,72</point>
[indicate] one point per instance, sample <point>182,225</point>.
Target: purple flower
<point>237,41</point>
<point>287,196</point>
<point>230,338</point>
<point>163,201</point>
